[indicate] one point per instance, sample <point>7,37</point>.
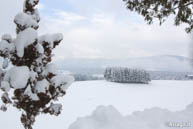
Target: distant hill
<point>153,63</point>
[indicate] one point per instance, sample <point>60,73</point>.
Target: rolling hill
<point>152,63</point>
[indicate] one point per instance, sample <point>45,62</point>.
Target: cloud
<point>101,29</point>
<point>69,16</point>
<point>102,35</point>
<point>87,7</point>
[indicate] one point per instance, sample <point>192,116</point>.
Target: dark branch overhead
<point>162,9</point>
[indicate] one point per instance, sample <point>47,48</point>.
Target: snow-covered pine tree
<point>107,73</point>
<point>32,84</point>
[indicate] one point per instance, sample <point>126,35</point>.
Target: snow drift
<point>155,118</point>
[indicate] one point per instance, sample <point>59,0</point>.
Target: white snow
<point>50,68</point>
<point>107,117</point>
<point>36,15</point>
<point>5,86</point>
<point>83,98</point>
<point>5,46</point>
<point>32,2</point>
<point>62,80</point>
<point>17,77</point>
<point>29,93</point>
<point>40,48</point>
<point>55,108</point>
<point>33,75</point>
<point>24,39</point>
<point>5,63</point>
<point>42,86</point>
<point>25,20</point>
<point>7,37</point>
<point>50,38</point>
<point>57,37</point>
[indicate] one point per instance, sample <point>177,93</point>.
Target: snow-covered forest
<point>126,75</point>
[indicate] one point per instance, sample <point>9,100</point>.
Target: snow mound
<point>17,77</point>
<point>155,118</point>
<point>25,21</point>
<point>63,81</point>
<point>7,37</point>
<point>6,47</point>
<point>50,39</point>
<point>24,39</point>
<point>42,86</point>
<point>50,68</point>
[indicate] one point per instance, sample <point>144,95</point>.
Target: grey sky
<point>100,29</point>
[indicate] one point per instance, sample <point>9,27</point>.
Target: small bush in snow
<point>32,85</point>
<point>126,75</point>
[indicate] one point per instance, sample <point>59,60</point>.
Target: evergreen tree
<point>107,74</point>
<point>32,84</point>
<point>162,9</point>
<point>126,75</point>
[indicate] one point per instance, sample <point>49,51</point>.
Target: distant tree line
<point>126,75</point>
<point>154,75</point>
<point>166,75</point>
<point>87,77</point>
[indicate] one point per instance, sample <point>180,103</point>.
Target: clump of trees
<point>126,75</point>
<point>162,9</point>
<point>32,85</point>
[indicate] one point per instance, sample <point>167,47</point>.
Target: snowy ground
<point>107,117</point>
<point>84,97</point>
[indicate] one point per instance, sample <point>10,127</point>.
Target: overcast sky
<point>100,29</point>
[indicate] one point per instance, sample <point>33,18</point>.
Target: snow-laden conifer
<point>32,83</point>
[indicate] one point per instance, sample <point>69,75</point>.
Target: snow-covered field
<point>84,97</point>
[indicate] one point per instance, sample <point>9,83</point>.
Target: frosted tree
<point>108,74</point>
<point>31,83</point>
<point>126,75</point>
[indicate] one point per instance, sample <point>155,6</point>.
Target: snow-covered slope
<point>107,117</point>
<point>84,97</point>
<point>155,63</point>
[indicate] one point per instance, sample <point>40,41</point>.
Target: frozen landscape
<point>118,106</point>
<point>122,74</point>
